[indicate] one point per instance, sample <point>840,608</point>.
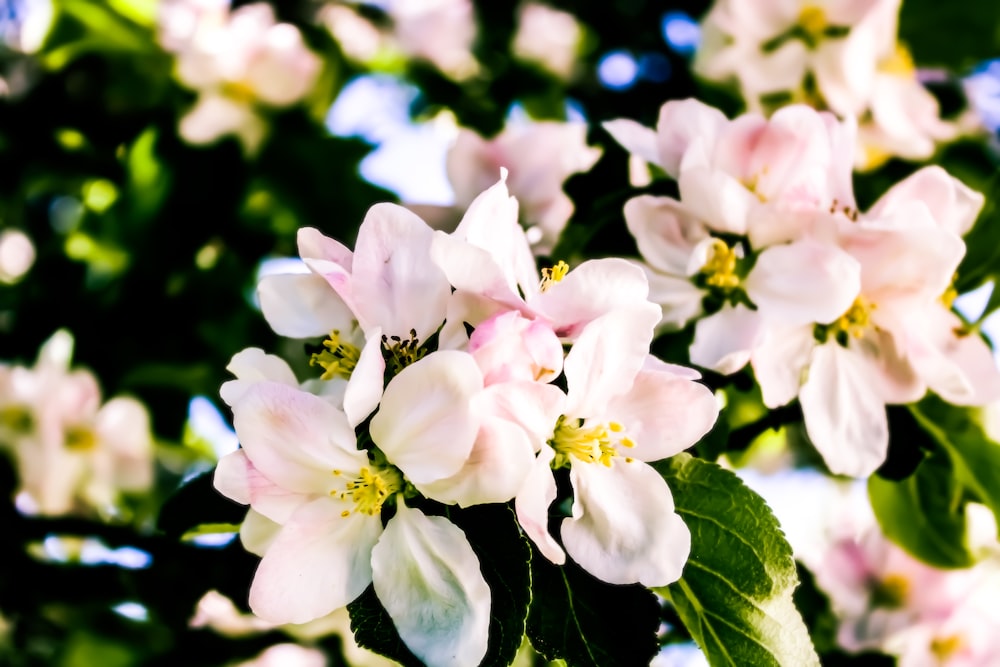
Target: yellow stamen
<point>891,591</point>
<point>370,489</point>
<point>401,353</point>
<point>944,648</point>
<point>80,438</point>
<point>16,418</point>
<point>900,63</point>
<point>813,21</point>
<point>338,358</point>
<point>721,266</point>
<point>856,319</point>
<point>553,275</point>
<point>594,444</point>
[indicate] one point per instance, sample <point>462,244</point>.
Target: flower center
<point>944,648</point>
<point>370,489</point>
<point>553,275</point>
<point>400,353</point>
<point>80,439</point>
<point>891,592</point>
<point>337,358</point>
<point>852,324</point>
<point>590,444</point>
<point>720,267</point>
<point>16,418</point>
<point>900,63</point>
<point>812,20</point>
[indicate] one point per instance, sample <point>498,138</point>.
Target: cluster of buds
<point>767,251</point>
<point>448,376</point>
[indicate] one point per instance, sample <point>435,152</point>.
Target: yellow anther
<point>400,353</point>
<point>594,444</point>
<point>900,63</point>
<point>856,319</point>
<point>891,591</point>
<point>370,489</point>
<point>944,648</point>
<point>720,267</point>
<point>337,358</point>
<point>553,275</point>
<point>80,438</point>
<point>239,91</point>
<point>16,418</point>
<point>813,21</point>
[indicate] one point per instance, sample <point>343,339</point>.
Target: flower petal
<point>724,341</point>
<point>532,506</point>
<point>253,365</point>
<point>624,529</point>
<point>319,561</point>
<point>302,305</point>
<point>428,578</point>
<point>426,424</point>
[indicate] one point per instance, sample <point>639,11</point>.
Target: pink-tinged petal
<point>888,365</point>
<point>720,201</point>
<point>491,224</point>
<point>665,232</point>
<point>364,390</point>
<point>532,506</point>
<point>845,71</point>
<point>679,124</point>
<point>501,459</point>
<point>313,244</point>
<point>254,365</point>
<point>294,438</point>
<point>663,414</point>
<point>257,532</point>
<point>905,256</point>
<point>780,361</point>
<point>635,138</point>
<point>302,305</point>
<point>427,422</point>
<point>238,479</point>
<point>844,412</point>
<point>957,364</point>
<point>604,360</point>
<point>803,282</point>
<point>473,270</point>
<point>533,406</point>
<point>679,299</point>
<point>319,561</point>
<point>724,341</point>
<point>123,429</point>
<point>590,290</point>
<point>467,308</point>
<point>428,578</point>
<point>510,347</point>
<point>952,204</point>
<point>624,529</point>
<point>395,284</point>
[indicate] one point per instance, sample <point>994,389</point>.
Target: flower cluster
<point>451,376</point>
<point>766,249</point>
<point>240,63</point>
<point>73,453</point>
<point>836,54</point>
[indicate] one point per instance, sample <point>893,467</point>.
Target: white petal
<point>364,390</point>
<point>723,341</point>
<point>313,244</point>
<point>678,124</point>
<point>302,305</point>
<point>635,138</point>
<point>780,361</point>
<point>253,365</point>
<point>473,270</point>
<point>605,358</point>
<point>665,232</point>
<point>426,424</point>
<point>319,561</point>
<point>294,438</point>
<point>238,479</point>
<point>804,282</point>
<point>257,532</point>
<point>951,203</point>
<point>428,578</point>
<point>663,414</point>
<point>395,284</point>
<point>844,415</point>
<point>532,506</point>
<point>624,529</point>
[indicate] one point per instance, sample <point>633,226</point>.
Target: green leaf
<point>974,456</point>
<point>924,513</point>
<point>929,28</point>
<point>587,622</point>
<point>373,629</point>
<point>735,596</point>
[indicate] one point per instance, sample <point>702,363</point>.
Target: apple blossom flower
<point>832,54</point>
<point>622,409</point>
<point>240,64</point>
<point>539,157</point>
<point>72,451</point>
<point>300,466</point>
<point>549,38</point>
